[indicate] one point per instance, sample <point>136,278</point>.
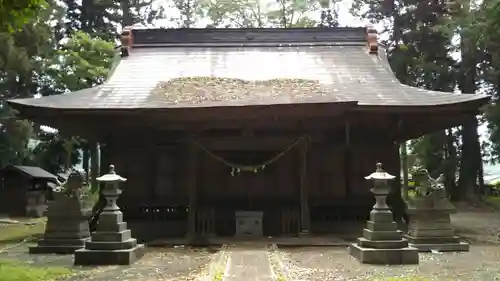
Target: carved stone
<point>112,242</point>
<point>430,225</point>
<point>382,242</point>
<point>67,227</point>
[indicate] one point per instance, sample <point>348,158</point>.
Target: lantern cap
<point>380,174</point>
<point>111,176</point>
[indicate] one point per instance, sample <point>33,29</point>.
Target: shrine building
<point>260,132</point>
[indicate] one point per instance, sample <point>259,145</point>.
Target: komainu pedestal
<point>382,242</point>
<point>430,224</point>
<point>67,227</point>
<point>112,242</point>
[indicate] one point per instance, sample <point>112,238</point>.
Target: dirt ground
<point>158,264</point>
<point>479,226</point>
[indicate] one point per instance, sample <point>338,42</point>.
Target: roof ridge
<point>138,37</point>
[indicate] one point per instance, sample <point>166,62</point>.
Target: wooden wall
<point>156,192</point>
<point>157,178</point>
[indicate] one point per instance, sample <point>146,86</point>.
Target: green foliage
<point>249,13</point>
<point>14,14</point>
<point>14,138</point>
<point>82,62</point>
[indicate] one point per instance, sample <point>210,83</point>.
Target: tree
<point>20,51</point>
<point>14,14</point>
<point>247,13</point>
<point>81,62</point>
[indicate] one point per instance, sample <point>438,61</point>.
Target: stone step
<point>101,236</point>
<point>432,240</point>
<point>383,244</point>
<point>63,242</point>
<point>406,255</point>
<point>382,235</point>
<point>107,257</point>
<point>107,245</point>
<point>112,227</point>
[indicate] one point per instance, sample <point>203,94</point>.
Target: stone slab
<point>408,255</point>
<point>248,263</point>
<point>432,240</point>
<point>445,247</point>
<point>381,226</point>
<point>104,257</point>
<point>384,244</point>
<point>115,245</point>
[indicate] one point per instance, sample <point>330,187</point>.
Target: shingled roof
<point>345,64</point>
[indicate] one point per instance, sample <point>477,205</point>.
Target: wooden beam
<point>250,143</point>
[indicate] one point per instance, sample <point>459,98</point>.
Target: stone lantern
<point>382,242</point>
<point>112,242</point>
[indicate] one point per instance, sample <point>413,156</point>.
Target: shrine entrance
<point>250,191</point>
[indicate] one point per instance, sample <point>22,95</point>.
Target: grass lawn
<point>17,271</point>
<point>493,201</point>
<point>14,233</point>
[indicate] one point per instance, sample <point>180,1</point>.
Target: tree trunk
<point>471,150</point>
<point>450,166</point>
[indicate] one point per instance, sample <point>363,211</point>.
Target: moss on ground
<point>17,271</point>
<point>407,278</point>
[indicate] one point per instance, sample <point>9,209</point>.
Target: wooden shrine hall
<point>252,132</point>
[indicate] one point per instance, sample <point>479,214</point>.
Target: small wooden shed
<point>25,190</point>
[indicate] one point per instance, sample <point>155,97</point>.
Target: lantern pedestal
<point>112,242</point>
<point>382,242</point>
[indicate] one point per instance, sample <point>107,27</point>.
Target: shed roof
<point>33,172</point>
<point>338,61</point>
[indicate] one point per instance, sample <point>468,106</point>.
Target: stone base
<point>58,246</point>
<point>407,255</point>
<point>442,244</point>
<point>109,257</point>
<point>457,247</point>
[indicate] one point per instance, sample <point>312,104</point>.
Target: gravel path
<point>481,263</point>
<point>480,226</point>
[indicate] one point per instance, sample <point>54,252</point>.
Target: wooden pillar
<point>152,174</point>
<point>305,219</point>
<point>94,165</point>
<point>191,181</point>
<point>347,160</point>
